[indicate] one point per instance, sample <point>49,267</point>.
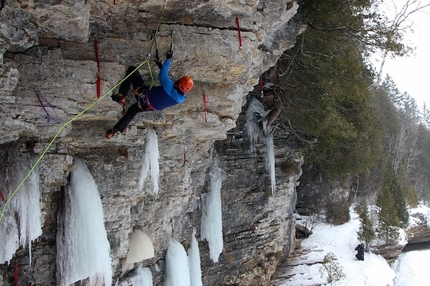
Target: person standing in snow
<point>360,252</point>
<point>169,93</point>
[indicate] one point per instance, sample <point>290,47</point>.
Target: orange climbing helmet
<point>185,84</point>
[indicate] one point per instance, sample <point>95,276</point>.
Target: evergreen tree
<point>392,184</point>
<point>421,170</point>
<point>366,232</point>
<point>411,197</point>
<point>387,216</point>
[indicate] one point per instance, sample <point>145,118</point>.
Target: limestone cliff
<point>49,45</point>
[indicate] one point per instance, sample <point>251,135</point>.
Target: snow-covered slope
<point>308,269</point>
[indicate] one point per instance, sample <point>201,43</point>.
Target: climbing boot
<point>119,98</point>
<point>111,133</point>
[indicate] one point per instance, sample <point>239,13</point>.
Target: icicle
<point>177,272</point>
<point>150,162</point>
<point>194,262</point>
<point>26,204</point>
<point>255,119</point>
<point>9,241</point>
<point>82,245</point>
<point>211,228</point>
<point>270,161</point>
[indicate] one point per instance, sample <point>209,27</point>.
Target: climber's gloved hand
<point>169,54</point>
<point>158,63</point>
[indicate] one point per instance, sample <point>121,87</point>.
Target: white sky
<point>411,74</point>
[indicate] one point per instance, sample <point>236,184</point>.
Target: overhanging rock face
<point>49,45</point>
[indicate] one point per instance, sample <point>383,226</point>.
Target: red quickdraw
<point>15,274</point>
<point>2,197</point>
<point>261,87</point>
<point>238,32</point>
<point>185,155</point>
<point>99,80</point>
<point>205,108</point>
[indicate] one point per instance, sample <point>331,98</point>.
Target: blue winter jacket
<point>166,95</point>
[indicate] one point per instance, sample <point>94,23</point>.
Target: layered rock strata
<point>49,45</point>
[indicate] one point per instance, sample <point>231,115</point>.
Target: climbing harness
<point>67,124</point>
<point>238,32</point>
<point>205,108</point>
<point>99,80</point>
<point>40,97</point>
<point>142,96</point>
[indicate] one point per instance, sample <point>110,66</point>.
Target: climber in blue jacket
<point>169,93</point>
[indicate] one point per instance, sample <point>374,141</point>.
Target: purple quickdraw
<point>40,97</point>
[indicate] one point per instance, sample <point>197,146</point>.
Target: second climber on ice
<point>169,93</point>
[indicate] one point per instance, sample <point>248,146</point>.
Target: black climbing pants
<point>128,116</point>
<point>136,81</point>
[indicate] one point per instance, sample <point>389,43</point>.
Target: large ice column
<point>194,262</point>
<point>22,185</point>
<point>211,226</point>
<point>257,129</point>
<point>270,159</point>
<point>150,161</point>
<point>177,272</point>
<point>82,245</point>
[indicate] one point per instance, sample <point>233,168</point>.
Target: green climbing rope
<point>65,125</point>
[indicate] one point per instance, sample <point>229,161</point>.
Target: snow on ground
<point>341,242</point>
<point>410,268</point>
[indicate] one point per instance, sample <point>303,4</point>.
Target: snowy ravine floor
<point>341,241</point>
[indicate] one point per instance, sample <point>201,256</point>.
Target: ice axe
<point>171,41</point>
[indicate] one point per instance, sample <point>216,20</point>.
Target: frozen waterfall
<point>194,262</point>
<point>180,269</point>
<point>25,203</point>
<point>177,272</point>
<point>257,130</point>
<point>211,226</point>
<point>150,161</point>
<point>83,248</point>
